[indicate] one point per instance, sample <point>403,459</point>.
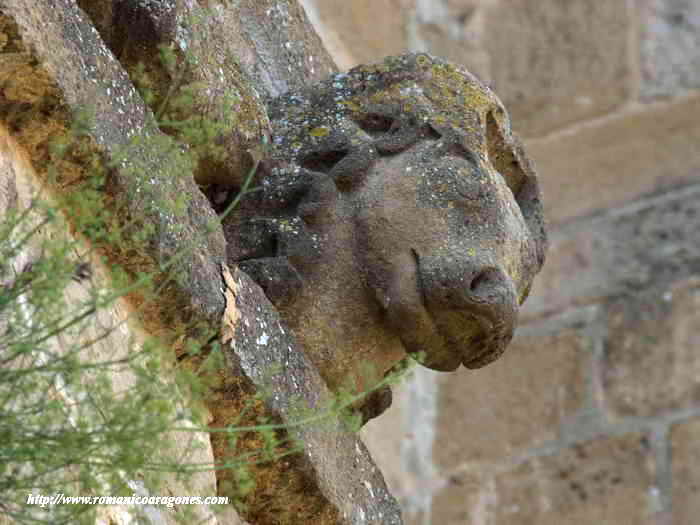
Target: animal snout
<point>474,307</point>
<point>455,287</point>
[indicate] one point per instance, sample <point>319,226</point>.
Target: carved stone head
<point>398,213</point>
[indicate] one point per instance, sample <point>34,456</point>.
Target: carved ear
<point>505,151</point>
<point>507,155</point>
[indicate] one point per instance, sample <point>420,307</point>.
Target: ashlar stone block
<point>685,459</point>
<point>654,242</point>
<point>555,62</point>
<point>517,402</point>
<point>607,163</point>
<point>652,363</point>
<point>608,480</point>
<point>670,47</point>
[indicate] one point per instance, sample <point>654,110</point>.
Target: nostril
<point>488,285</point>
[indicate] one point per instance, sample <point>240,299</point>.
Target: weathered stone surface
<point>223,93</point>
<point>334,480</point>
<point>369,29</point>
<point>652,364</point>
<point>519,402</point>
<point>284,52</point>
<point>655,241</point>
<point>237,59</point>
<point>135,28</point>
<point>554,62</point>
<point>230,35</point>
<point>394,174</point>
<point>607,480</point>
<point>670,47</point>
<point>685,458</point>
<point>608,163</point>
<point>72,65</point>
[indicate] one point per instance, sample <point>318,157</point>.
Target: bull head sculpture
<point>398,215</point>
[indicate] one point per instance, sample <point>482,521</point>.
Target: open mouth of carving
<point>481,340</point>
<point>488,352</point>
<point>440,351</point>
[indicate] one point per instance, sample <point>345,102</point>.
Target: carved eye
<point>507,156</point>
<point>323,161</point>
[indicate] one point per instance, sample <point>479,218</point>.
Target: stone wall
<point>593,415</point>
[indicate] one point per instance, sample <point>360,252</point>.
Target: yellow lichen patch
<point>320,131</point>
<point>376,98</point>
<point>423,61</point>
